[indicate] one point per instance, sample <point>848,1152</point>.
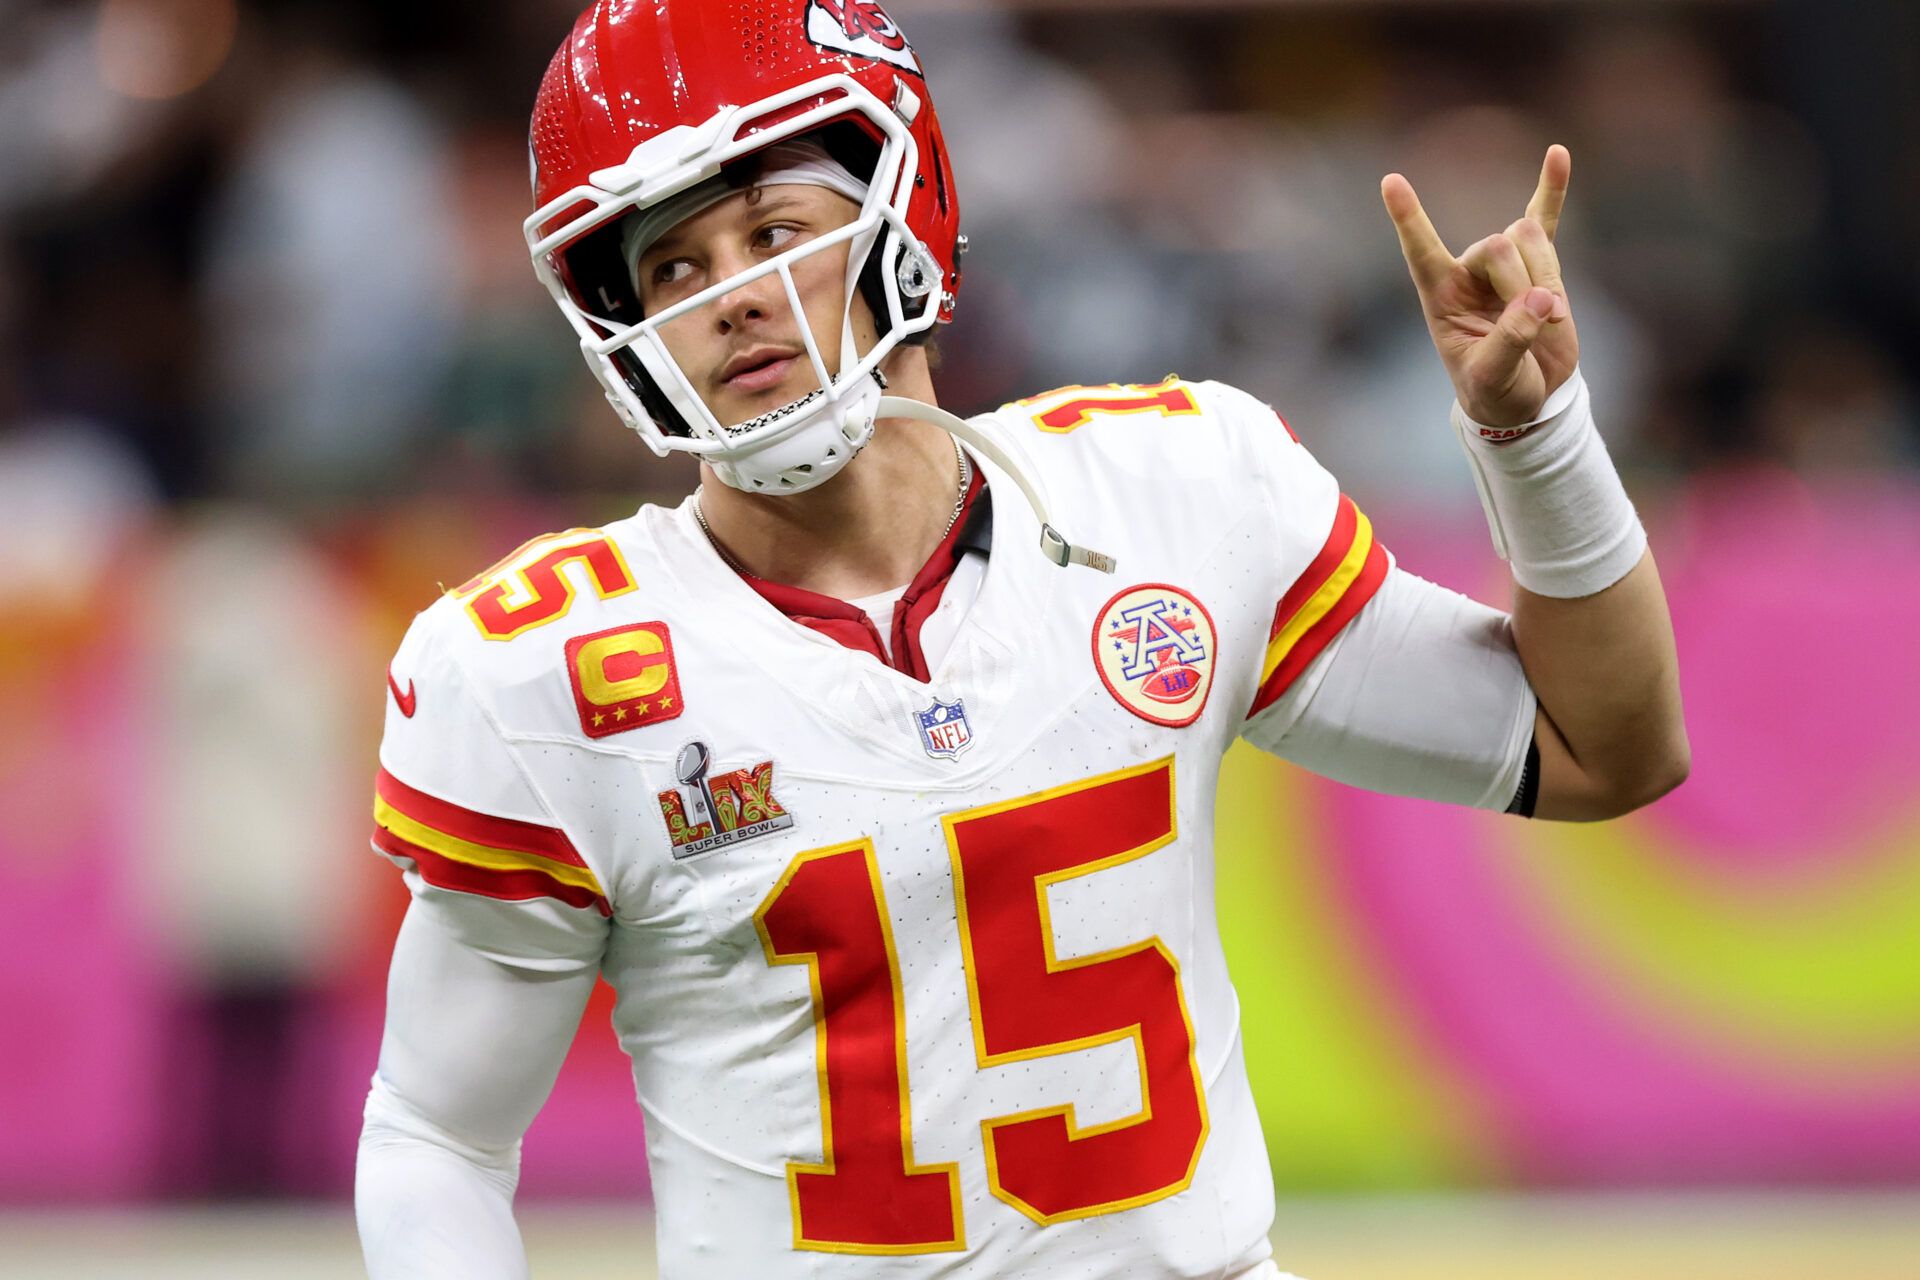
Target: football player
<point>877,777</point>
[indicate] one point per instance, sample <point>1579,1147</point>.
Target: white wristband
<point>1554,503</point>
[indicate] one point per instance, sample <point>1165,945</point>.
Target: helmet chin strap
<point>1052,545</point>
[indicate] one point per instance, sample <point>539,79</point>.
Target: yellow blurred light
<point>156,49</point>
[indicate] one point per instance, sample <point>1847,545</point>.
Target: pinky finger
<point>1550,195</point>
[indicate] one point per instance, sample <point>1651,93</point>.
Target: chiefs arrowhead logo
<point>407,701</point>
<point>859,27</point>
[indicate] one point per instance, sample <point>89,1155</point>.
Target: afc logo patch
<point>624,678</point>
<point>1155,650</point>
<point>862,28</point>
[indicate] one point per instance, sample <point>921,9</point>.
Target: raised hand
<point>1498,313</point>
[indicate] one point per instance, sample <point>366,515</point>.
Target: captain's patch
<point>624,678</point>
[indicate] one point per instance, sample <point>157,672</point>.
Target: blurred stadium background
<point>273,364</point>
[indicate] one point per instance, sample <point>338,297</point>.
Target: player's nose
<point>752,300</point>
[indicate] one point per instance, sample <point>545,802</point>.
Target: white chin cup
<point>828,430</point>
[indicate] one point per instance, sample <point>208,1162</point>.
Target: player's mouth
<point>760,369</point>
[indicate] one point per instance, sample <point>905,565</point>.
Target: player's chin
<point>733,408</point>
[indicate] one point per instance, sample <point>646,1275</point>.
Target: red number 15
<point>827,912</point>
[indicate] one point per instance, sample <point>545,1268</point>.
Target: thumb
<point>1519,325</point>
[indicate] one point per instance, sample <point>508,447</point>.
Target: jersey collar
<point>849,625</point>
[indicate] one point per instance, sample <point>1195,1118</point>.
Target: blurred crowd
<point>270,251</point>
<point>272,359</point>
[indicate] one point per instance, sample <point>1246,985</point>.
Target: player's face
<point>743,352</point>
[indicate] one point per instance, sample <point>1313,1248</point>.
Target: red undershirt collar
<point>851,626</point>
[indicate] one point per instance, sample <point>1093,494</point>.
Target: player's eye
<point>776,236</point>
<point>671,272</point>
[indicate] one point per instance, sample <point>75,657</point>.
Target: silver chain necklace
<point>959,505</point>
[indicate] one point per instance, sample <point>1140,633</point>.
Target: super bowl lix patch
<point>705,812</point>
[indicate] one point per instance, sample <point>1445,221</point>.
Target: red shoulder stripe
<point>1346,519</point>
<point>1321,633</point>
<point>1338,582</point>
<point>477,828</point>
<point>518,885</point>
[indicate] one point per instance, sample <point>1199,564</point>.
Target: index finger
<point>1427,256</point>
<point>1550,195</point>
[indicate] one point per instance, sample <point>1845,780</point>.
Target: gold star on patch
<point>665,703</point>
<point>640,710</point>
<point>598,720</point>
<point>620,713</point>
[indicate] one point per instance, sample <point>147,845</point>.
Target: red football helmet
<point>645,100</point>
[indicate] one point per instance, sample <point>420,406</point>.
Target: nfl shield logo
<point>944,731</point>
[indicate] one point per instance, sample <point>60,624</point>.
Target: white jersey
<point>926,972</point>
